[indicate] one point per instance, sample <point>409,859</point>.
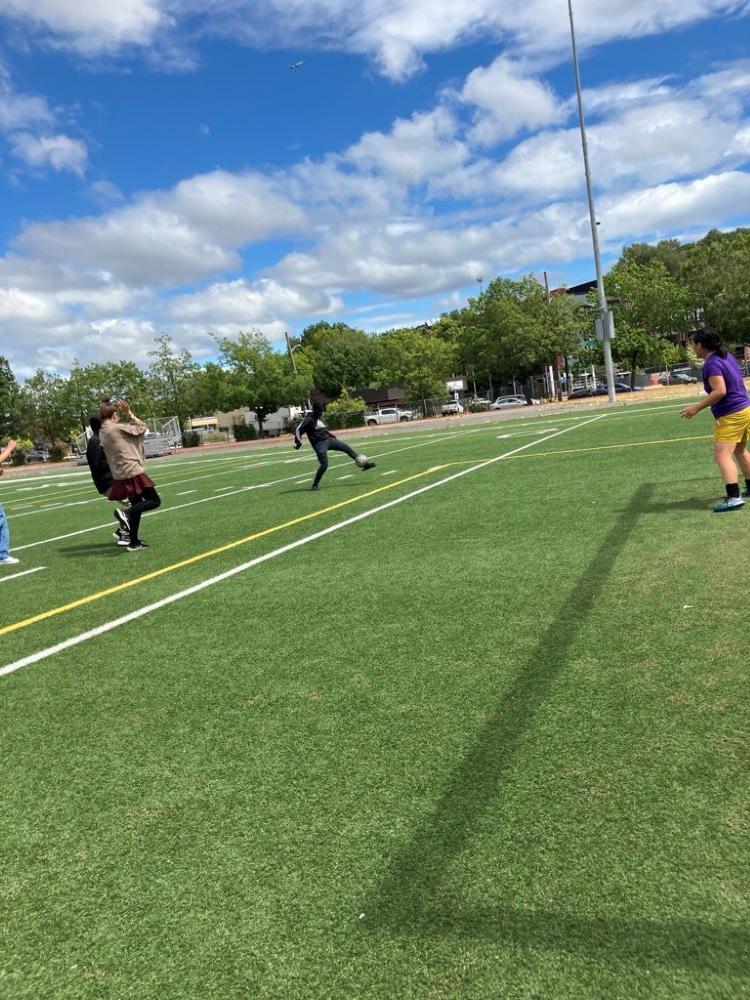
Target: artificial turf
<point>489,742</point>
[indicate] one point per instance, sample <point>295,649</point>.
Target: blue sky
<point>163,169</point>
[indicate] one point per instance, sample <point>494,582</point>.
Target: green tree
<point>649,305</point>
<point>170,377</point>
<point>87,385</point>
<point>340,355</point>
<point>717,276</point>
<point>416,359</point>
<point>9,400</point>
<point>45,412</point>
<point>209,390</point>
<point>259,378</point>
<point>511,331</point>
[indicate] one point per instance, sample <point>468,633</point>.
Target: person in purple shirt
<point>730,405</point>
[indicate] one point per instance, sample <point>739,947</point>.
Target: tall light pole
<point>606,324</point>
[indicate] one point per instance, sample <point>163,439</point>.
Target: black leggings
<point>148,500</point>
<point>322,449</point>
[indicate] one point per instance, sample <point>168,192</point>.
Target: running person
<point>100,471</point>
<point>323,441</point>
<point>730,405</point>
<point>6,559</point>
<point>122,442</point>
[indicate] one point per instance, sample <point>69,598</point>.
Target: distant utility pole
<point>605,326</point>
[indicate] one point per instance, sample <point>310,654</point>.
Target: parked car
<point>37,455</point>
<point>625,387</point>
<point>452,406</point>
<point>388,415</point>
<point>585,392</point>
<point>505,402</point>
<point>677,378</point>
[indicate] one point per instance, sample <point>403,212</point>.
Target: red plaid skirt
<point>126,489</point>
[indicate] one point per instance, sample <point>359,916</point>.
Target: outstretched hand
<point>689,411</point>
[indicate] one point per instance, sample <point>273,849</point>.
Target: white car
<point>452,406</point>
<point>504,402</point>
<point>388,415</point>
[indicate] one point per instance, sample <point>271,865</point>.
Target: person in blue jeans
<point>6,559</point>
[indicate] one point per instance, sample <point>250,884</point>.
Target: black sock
<point>733,490</point>
<point>747,485</point>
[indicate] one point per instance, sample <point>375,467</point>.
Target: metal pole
<point>291,352</point>
<point>608,326</point>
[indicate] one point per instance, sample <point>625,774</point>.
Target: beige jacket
<point>123,445</point>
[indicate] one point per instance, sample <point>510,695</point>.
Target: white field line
<point>503,437</point>
<point>70,478</point>
<point>299,482</point>
<point>25,572</point>
<point>109,626</point>
<point>22,507</point>
<point>58,502</point>
<point>184,493</point>
<point>389,473</point>
<point>349,476</point>
<point>192,503</point>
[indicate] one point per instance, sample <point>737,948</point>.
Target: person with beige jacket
<point>121,437</point>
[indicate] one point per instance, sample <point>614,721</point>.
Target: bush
<point>191,439</point>
<point>346,411</point>
<point>478,405</point>
<point>214,437</point>
<point>244,432</point>
<point>57,453</point>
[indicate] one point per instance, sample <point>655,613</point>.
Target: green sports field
<point>472,724</point>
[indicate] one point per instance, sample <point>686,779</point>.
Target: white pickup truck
<point>388,415</point>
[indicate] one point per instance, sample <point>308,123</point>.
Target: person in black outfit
<point>100,471</point>
<point>323,441</point>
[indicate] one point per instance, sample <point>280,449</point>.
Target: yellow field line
<point>42,616</point>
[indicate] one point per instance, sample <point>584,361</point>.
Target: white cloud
<point>249,304</point>
<point>373,217</point>
<point>19,110</point>
<point>646,143</point>
<point>414,149</point>
<point>170,238</point>
<point>395,34</point>
<point>90,28</point>
<point>669,208</point>
<point>507,100</point>
<point>59,152</point>
<point>398,34</point>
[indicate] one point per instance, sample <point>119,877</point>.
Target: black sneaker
<point>314,489</point>
<point>123,540</point>
<point>121,517</point>
<point>136,546</point>
<point>368,465</point>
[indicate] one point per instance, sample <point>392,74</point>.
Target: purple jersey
<point>736,398</point>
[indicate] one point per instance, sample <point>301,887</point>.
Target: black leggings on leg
<point>148,500</point>
<point>322,449</point>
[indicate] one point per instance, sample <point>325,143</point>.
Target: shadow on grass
<point>689,503</point>
<point>112,548</point>
<point>412,896</point>
<point>722,950</point>
<point>323,489</point>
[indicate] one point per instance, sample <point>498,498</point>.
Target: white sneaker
<point>9,561</point>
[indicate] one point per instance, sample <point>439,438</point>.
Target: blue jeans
<point>4,535</point>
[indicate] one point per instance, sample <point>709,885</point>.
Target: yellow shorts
<point>733,428</point>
